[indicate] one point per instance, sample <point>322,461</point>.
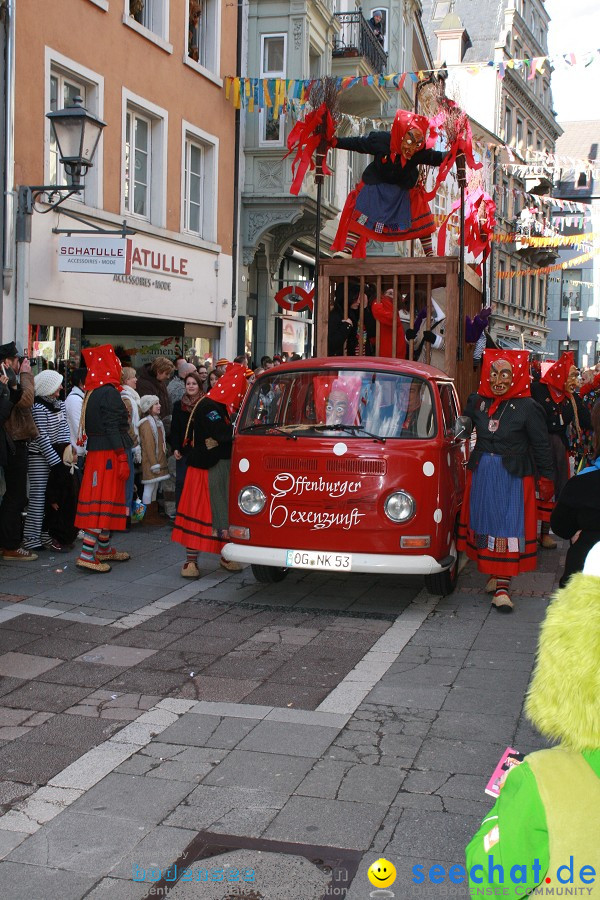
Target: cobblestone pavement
<point>297,731</point>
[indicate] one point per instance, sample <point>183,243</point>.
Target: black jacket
<point>8,398</point>
<point>106,420</point>
<point>179,422</point>
<point>382,169</point>
<point>578,509</point>
<point>521,439</point>
<point>340,332</point>
<point>559,415</point>
<point>211,420</point>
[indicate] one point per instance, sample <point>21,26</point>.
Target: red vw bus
<point>350,465</point>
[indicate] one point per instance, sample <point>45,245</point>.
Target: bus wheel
<point>444,582</point>
<point>268,574</point>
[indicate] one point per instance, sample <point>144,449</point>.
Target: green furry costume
<point>549,807</point>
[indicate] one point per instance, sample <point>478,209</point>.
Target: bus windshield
<point>340,402</point>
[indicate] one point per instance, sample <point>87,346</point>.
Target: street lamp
<point>77,133</point>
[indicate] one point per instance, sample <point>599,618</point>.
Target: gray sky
<point>575,26</point>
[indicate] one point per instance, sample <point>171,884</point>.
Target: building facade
<point>517,108</point>
<point>305,39</point>
<point>152,70</point>
<point>574,292</point>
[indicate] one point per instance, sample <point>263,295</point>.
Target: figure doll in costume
<point>389,203</point>
<point>498,520</point>
<point>105,425</point>
<point>543,829</point>
<point>202,519</point>
<point>555,393</point>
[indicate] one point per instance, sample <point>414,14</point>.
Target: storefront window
<point>49,346</point>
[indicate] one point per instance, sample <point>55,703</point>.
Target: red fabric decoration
<point>231,387</point>
<point>304,138</point>
<point>401,124</point>
<point>556,376</point>
<point>104,367</point>
<point>477,233</point>
<point>383,310</point>
<point>521,384</point>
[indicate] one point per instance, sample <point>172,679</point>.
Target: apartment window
<point>144,159</point>
<point>529,139</point>
<point>203,33</point>
<point>532,284</point>
<point>200,177</point>
<point>63,90</point>
<point>329,180</point>
<point>65,79</point>
<point>501,281</point>
<point>441,9</point>
<point>583,179</point>
<point>505,198</point>
<point>272,65</point>
<point>151,14</point>
<point>519,134</point>
<point>508,117</point>
<point>138,164</point>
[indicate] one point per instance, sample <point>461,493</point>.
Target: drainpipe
<point>9,148</point>
<point>236,180</point>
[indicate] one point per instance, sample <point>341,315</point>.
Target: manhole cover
<point>232,867</point>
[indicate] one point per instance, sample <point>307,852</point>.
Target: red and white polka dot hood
<point>231,387</point>
<point>104,367</point>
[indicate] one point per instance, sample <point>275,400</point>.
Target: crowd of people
<point>124,440</point>
<point>84,465</point>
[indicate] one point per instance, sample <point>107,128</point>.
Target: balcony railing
<point>357,38</point>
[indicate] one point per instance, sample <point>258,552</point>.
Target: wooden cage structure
<point>410,281</point>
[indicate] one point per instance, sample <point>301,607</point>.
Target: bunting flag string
<point>569,240</point>
<point>544,270</point>
<point>254,94</point>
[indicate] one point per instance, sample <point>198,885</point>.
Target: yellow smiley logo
<point>381,873</point>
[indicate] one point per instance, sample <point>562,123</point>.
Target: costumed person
<point>583,444</point>
<point>543,827</point>
<point>555,393</point>
<point>131,399</point>
<point>342,333</point>
<point>154,455</point>
<point>19,428</point>
<point>73,404</point>
<point>389,203</point>
<point>497,525</point>
<point>181,413</point>
<point>53,429</point>
<point>104,424</point>
<point>383,312</point>
<point>576,515</point>
<point>202,520</point>
<point>62,495</point>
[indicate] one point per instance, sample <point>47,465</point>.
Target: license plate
<point>318,559</point>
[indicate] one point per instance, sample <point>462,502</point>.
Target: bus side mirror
<point>462,428</point>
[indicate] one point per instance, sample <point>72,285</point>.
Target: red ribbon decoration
<point>304,138</point>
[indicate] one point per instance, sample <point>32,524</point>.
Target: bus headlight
<point>400,506</point>
<point>251,500</point>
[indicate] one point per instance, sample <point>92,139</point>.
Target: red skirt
<point>101,501</point>
<point>493,562</point>
<point>193,522</point>
<point>422,223</point>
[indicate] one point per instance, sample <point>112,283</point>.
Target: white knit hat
<point>147,402</point>
<point>47,382</point>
